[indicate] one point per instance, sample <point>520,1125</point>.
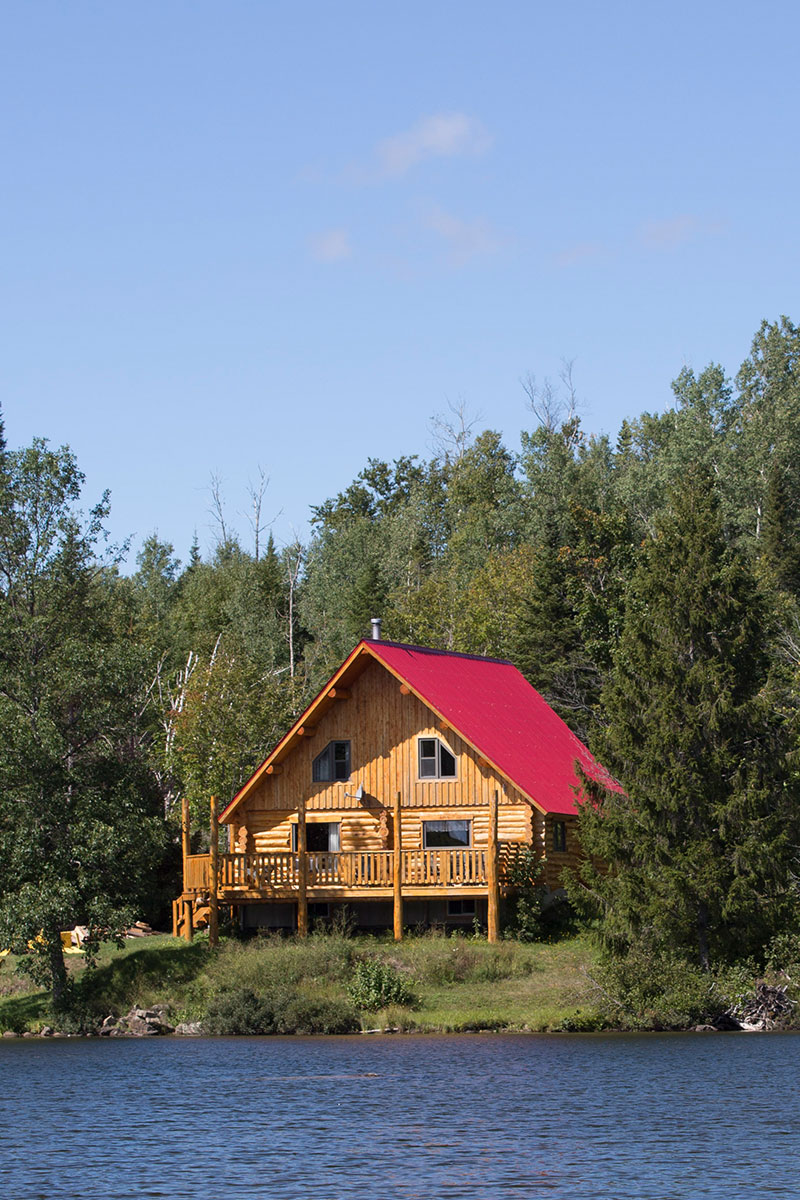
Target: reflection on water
<point>484,1117</point>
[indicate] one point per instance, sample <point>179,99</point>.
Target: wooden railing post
<point>213,916</point>
<point>186,849</point>
<point>492,873</point>
<point>302,882</point>
<point>398,871</point>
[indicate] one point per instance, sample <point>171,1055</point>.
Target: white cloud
<point>330,246</point>
<point>675,231</point>
<point>465,239</point>
<point>443,135</point>
<point>581,252</point>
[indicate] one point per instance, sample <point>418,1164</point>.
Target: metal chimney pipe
<point>376,629</point>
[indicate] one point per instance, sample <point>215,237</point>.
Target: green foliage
<point>648,989</point>
<point>243,1012</point>
<point>523,917</point>
<point>783,954</point>
<point>435,960</point>
<point>81,832</point>
<point>699,848</point>
<point>375,984</point>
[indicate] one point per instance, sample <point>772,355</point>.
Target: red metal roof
<point>488,703</point>
<point>494,708</point>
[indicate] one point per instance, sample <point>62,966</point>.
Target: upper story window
<point>559,835</point>
<point>332,764</point>
<point>435,760</point>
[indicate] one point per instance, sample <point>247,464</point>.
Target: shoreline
<point>329,985</point>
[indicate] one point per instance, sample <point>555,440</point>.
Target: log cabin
<point>401,792</point>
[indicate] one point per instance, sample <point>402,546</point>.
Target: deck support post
<point>493,922</point>
<point>398,871</point>
<point>186,850</point>
<point>213,916</point>
<point>302,882</point>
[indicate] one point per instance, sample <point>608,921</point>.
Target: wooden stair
<point>196,908</point>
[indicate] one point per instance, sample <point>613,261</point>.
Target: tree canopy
<point>648,586</point>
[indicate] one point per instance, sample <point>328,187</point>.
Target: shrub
<point>655,989</point>
<point>242,1012</point>
<point>303,1015</point>
<point>524,905</point>
<point>375,984</point>
<point>783,954</point>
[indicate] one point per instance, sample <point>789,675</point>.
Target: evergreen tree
<point>81,833</point>
<point>698,849</point>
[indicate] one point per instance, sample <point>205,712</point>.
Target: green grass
<point>460,983</point>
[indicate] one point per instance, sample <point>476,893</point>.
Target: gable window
<point>559,835</point>
<point>332,764</point>
<point>435,760</point>
<point>446,834</point>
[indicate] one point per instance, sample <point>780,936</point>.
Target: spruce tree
<point>698,848</point>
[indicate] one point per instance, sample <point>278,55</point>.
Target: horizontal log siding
<point>361,831</point>
<point>559,860</point>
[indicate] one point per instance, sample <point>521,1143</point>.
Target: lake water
<point>485,1117</point>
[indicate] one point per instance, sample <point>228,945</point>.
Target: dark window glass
<point>435,760</point>
<point>321,836</point>
<point>428,764</point>
<point>461,908</point>
<point>559,835</point>
<point>445,834</point>
<point>341,760</point>
<point>447,763</point>
<point>332,764</point>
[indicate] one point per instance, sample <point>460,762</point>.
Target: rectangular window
<point>333,764</point>
<point>461,908</point>
<point>435,760</point>
<point>446,834</point>
<point>321,837</point>
<point>559,835</point>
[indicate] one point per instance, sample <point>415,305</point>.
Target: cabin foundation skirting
<point>367,916</point>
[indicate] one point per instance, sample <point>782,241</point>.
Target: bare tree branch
<point>551,404</point>
<point>216,508</point>
<point>256,492</point>
<point>451,435</point>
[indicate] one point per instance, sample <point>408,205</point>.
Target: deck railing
<point>279,870</point>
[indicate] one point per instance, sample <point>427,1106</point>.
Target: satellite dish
<point>360,793</point>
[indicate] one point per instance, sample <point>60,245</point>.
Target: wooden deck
<point>276,875</point>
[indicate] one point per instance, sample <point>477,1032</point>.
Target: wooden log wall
<point>383,725</point>
<point>270,830</point>
<point>559,860</point>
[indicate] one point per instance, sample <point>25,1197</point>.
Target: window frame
<point>458,902</point>
<point>559,837</point>
<point>316,825</point>
<point>436,757</point>
<point>331,777</point>
<point>467,821</point>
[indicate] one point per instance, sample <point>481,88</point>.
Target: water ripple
<point>462,1118</point>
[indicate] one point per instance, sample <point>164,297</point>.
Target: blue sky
<point>285,235</point>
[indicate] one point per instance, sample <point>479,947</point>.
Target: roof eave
<point>283,746</point>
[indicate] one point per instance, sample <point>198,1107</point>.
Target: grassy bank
<point>455,983</point>
<point>429,984</point>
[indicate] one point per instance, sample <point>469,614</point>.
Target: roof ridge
<point>442,653</point>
